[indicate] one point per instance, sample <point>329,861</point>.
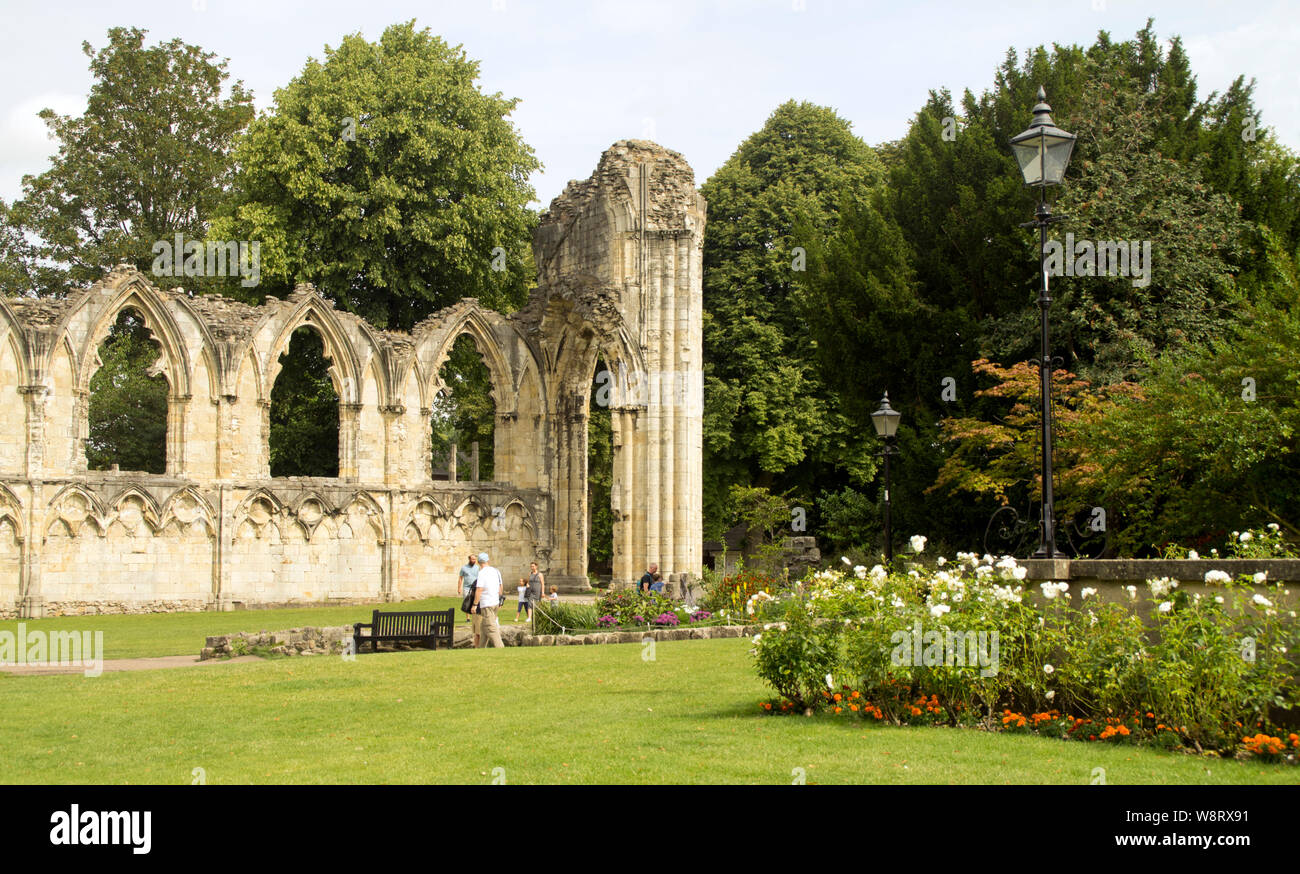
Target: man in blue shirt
<point>467,577</point>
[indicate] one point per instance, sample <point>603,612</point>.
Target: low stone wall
<point>295,641</point>
<point>1110,577</point>
<point>704,632</point>
<point>334,640</point>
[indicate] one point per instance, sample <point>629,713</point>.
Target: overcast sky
<point>698,77</point>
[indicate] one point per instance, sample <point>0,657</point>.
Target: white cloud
<point>25,145</point>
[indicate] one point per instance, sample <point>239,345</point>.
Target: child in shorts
<point>524,603</point>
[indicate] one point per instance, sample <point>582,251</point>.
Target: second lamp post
<point>885,421</point>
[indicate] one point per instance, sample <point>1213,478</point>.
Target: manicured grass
<point>167,634</point>
<point>572,714</point>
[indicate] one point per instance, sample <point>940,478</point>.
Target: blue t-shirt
<point>468,575</point>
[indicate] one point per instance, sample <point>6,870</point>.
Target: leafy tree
<point>384,176</point>
<point>1209,442</point>
<point>1126,191</point>
<point>999,458</point>
<point>128,405</point>
<point>766,416</point>
<point>149,158</point>
<point>304,439</point>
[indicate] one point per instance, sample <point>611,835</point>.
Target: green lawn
<point>144,635</point>
<point>586,714</point>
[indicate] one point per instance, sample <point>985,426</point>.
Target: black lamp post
<point>1043,151</point>
<point>885,421</point>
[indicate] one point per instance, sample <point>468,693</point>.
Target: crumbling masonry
<point>619,263</point>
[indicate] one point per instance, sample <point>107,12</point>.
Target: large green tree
<point>149,158</point>
<point>387,178</point>
<point>766,417</point>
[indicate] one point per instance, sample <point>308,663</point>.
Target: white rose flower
<point>918,543</point>
<point>1273,526</point>
<point>1261,576</point>
<point>846,560</point>
<point>1212,577</point>
<point>1050,695</point>
<point>938,610</point>
<point>1245,537</point>
<point>1087,593</point>
<point>1166,606</point>
<point>1191,554</point>
<point>1262,601</point>
<point>1218,599</point>
<point>829,683</point>
<point>942,561</point>
<point>1132,592</point>
<point>1047,669</point>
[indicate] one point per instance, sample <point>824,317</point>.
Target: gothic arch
<point>12,509</point>
<point>345,369</point>
<point>12,330</point>
<point>467,317</point>
<point>173,511</point>
<point>139,295</point>
<point>75,505</point>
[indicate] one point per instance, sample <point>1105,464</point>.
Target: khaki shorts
<point>476,622</point>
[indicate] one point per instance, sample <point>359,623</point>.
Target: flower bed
<point>965,643</point>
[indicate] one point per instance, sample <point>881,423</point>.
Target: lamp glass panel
<point>1029,154</point>
<point>1057,155</point>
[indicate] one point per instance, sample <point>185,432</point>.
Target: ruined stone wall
<point>619,276</point>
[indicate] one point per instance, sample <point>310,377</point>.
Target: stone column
<point>569,558</point>
<point>392,414</point>
<point>177,408</point>
<point>349,421</point>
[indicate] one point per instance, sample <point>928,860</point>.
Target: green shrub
<point>564,617</point>
<point>796,655</point>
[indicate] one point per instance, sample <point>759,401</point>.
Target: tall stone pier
<point>620,259</point>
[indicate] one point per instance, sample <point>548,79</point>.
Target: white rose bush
<point>970,642</point>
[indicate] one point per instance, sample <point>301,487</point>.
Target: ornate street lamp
<point>885,421</point>
<point>1043,151</point>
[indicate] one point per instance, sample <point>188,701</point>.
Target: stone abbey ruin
<point>619,263</point>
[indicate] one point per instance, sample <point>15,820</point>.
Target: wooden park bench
<point>428,627</point>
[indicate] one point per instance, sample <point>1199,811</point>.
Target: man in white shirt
<point>487,598</point>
